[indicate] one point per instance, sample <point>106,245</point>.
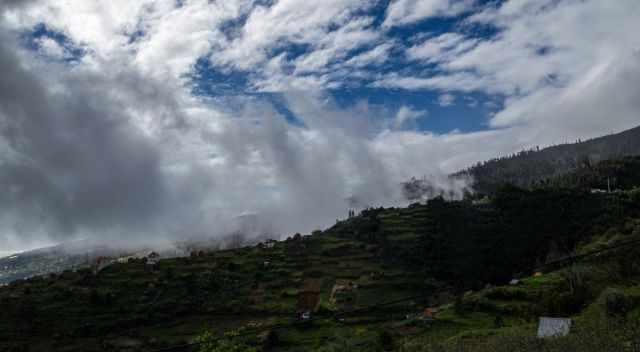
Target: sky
<point>130,121</point>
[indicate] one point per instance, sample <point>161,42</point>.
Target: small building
<point>270,243</point>
<point>100,264</point>
<point>124,260</point>
<point>305,315</point>
<point>152,261</point>
<point>485,201</point>
<point>429,314</point>
<point>553,327</point>
<point>343,293</point>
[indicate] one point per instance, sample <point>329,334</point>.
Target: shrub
<point>230,342</point>
<point>314,274</point>
<point>472,303</point>
<point>270,340</point>
<point>563,303</point>
<point>507,293</point>
<point>615,302</point>
<point>629,263</point>
<point>459,305</point>
<point>385,339</point>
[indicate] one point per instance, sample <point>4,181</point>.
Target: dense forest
<point>606,176</point>
<point>529,167</point>
<point>469,244</point>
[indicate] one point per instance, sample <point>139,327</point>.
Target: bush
<point>563,303</point>
<point>269,340</point>
<point>507,293</point>
<point>615,302</point>
<point>230,342</point>
<point>314,274</point>
<point>471,303</point>
<point>629,263</point>
<point>385,339</point>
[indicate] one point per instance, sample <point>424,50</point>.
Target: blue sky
<point>441,111</point>
<point>118,110</point>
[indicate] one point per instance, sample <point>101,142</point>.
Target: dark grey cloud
<point>105,149</point>
<point>71,159</point>
<point>74,162</point>
<point>14,4</point>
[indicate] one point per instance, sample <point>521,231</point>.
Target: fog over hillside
<point>133,122</point>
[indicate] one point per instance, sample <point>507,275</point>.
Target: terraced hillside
<point>428,277</point>
<point>183,296</point>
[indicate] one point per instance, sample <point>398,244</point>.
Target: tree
<point>385,339</point>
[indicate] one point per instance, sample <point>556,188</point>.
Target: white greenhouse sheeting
<point>553,327</point>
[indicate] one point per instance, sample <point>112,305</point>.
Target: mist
<point>124,158</point>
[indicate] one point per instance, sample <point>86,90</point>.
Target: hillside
<point>601,163</point>
<point>54,259</point>
<point>607,175</point>
<point>74,255</point>
<point>527,168</point>
<point>366,281</point>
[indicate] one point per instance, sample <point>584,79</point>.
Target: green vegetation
<point>230,342</point>
<point>531,167</point>
<point>429,277</point>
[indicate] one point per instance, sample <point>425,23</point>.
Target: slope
<point>528,168</point>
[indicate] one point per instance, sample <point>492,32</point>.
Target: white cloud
<point>335,46</point>
<point>403,12</point>
<point>446,99</point>
<point>51,48</point>
<point>441,48</point>
<point>460,81</point>
<point>176,37</point>
<point>558,76</point>
<point>287,21</point>
<point>471,101</point>
<point>104,26</point>
<point>377,55</point>
<point>407,116</point>
<point>168,38</point>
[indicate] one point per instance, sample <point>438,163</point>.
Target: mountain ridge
<point>530,167</point>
